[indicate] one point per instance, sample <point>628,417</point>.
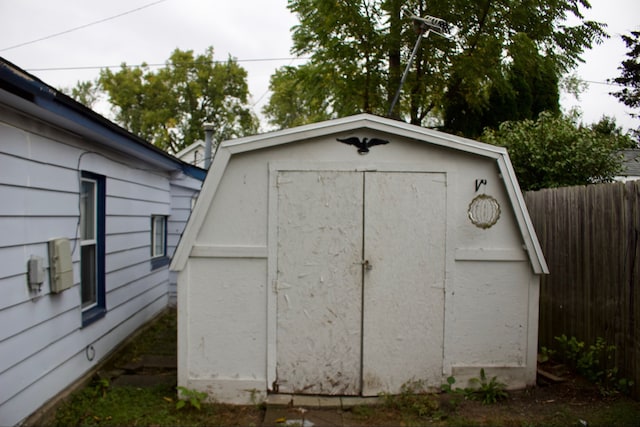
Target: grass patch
<point>570,403</point>
<point>132,406</point>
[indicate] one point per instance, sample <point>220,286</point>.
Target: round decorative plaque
<point>484,211</point>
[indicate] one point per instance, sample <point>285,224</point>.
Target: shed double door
<point>360,281</point>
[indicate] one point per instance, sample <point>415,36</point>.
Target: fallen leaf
<point>281,420</point>
<point>168,399</point>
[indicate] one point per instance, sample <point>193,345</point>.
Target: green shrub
<point>595,362</point>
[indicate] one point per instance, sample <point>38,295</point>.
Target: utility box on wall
<point>60,265</point>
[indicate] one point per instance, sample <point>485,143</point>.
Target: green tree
<point>504,53</point>
<point>170,105</point>
<point>630,78</point>
<point>629,95</point>
<point>87,93</point>
<point>556,151</point>
<point>528,85</point>
<point>297,97</point>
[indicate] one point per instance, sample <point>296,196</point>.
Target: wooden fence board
<point>590,236</point>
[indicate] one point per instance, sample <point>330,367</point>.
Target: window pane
<point>88,275</point>
<point>87,210</point>
<point>158,235</point>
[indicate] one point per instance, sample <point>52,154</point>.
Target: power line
<point>82,26</point>
<point>605,83</point>
<point>268,89</point>
<point>98,67</point>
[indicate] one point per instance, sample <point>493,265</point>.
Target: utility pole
<point>423,27</point>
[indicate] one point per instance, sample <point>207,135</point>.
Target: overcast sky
<point>64,41</point>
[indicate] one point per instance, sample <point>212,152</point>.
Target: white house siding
<point>43,346</point>
<point>184,192</point>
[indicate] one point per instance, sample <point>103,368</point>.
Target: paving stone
<point>111,374</point>
<point>144,380</point>
<point>329,402</point>
<point>279,400</point>
<point>306,401</point>
<point>131,366</point>
<point>158,361</point>
<point>300,417</point>
<point>351,401</point>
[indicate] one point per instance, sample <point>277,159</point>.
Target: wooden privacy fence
<point>590,238</point>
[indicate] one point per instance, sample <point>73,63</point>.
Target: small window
<point>92,246</point>
<point>159,241</point>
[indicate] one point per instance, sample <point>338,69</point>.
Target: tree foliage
<point>297,98</point>
<point>556,151</point>
<point>87,93</point>
<point>503,63</point>
<point>169,106</point>
<point>629,95</point>
<point>526,87</point>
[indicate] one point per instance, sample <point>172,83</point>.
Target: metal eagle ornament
<point>364,144</point>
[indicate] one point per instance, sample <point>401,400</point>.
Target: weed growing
<point>594,362</point>
<point>415,403</point>
<point>487,392</point>
<point>192,397</point>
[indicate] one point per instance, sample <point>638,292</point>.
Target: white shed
<point>311,265</point>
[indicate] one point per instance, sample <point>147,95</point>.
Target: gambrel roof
<point>350,124</point>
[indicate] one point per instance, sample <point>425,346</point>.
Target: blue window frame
<point>159,256</point>
<point>92,246</point>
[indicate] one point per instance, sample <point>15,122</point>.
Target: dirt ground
<point>572,401</point>
<point>568,401</point>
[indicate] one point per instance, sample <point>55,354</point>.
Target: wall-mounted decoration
<point>364,145</point>
<point>480,183</point>
<point>484,211</point>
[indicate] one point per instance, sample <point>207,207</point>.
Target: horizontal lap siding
<point>42,344</point>
<point>182,197</point>
<point>65,360</point>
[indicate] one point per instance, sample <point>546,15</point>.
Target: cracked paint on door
<point>403,316</point>
<point>319,282</point>
<point>343,329</point>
